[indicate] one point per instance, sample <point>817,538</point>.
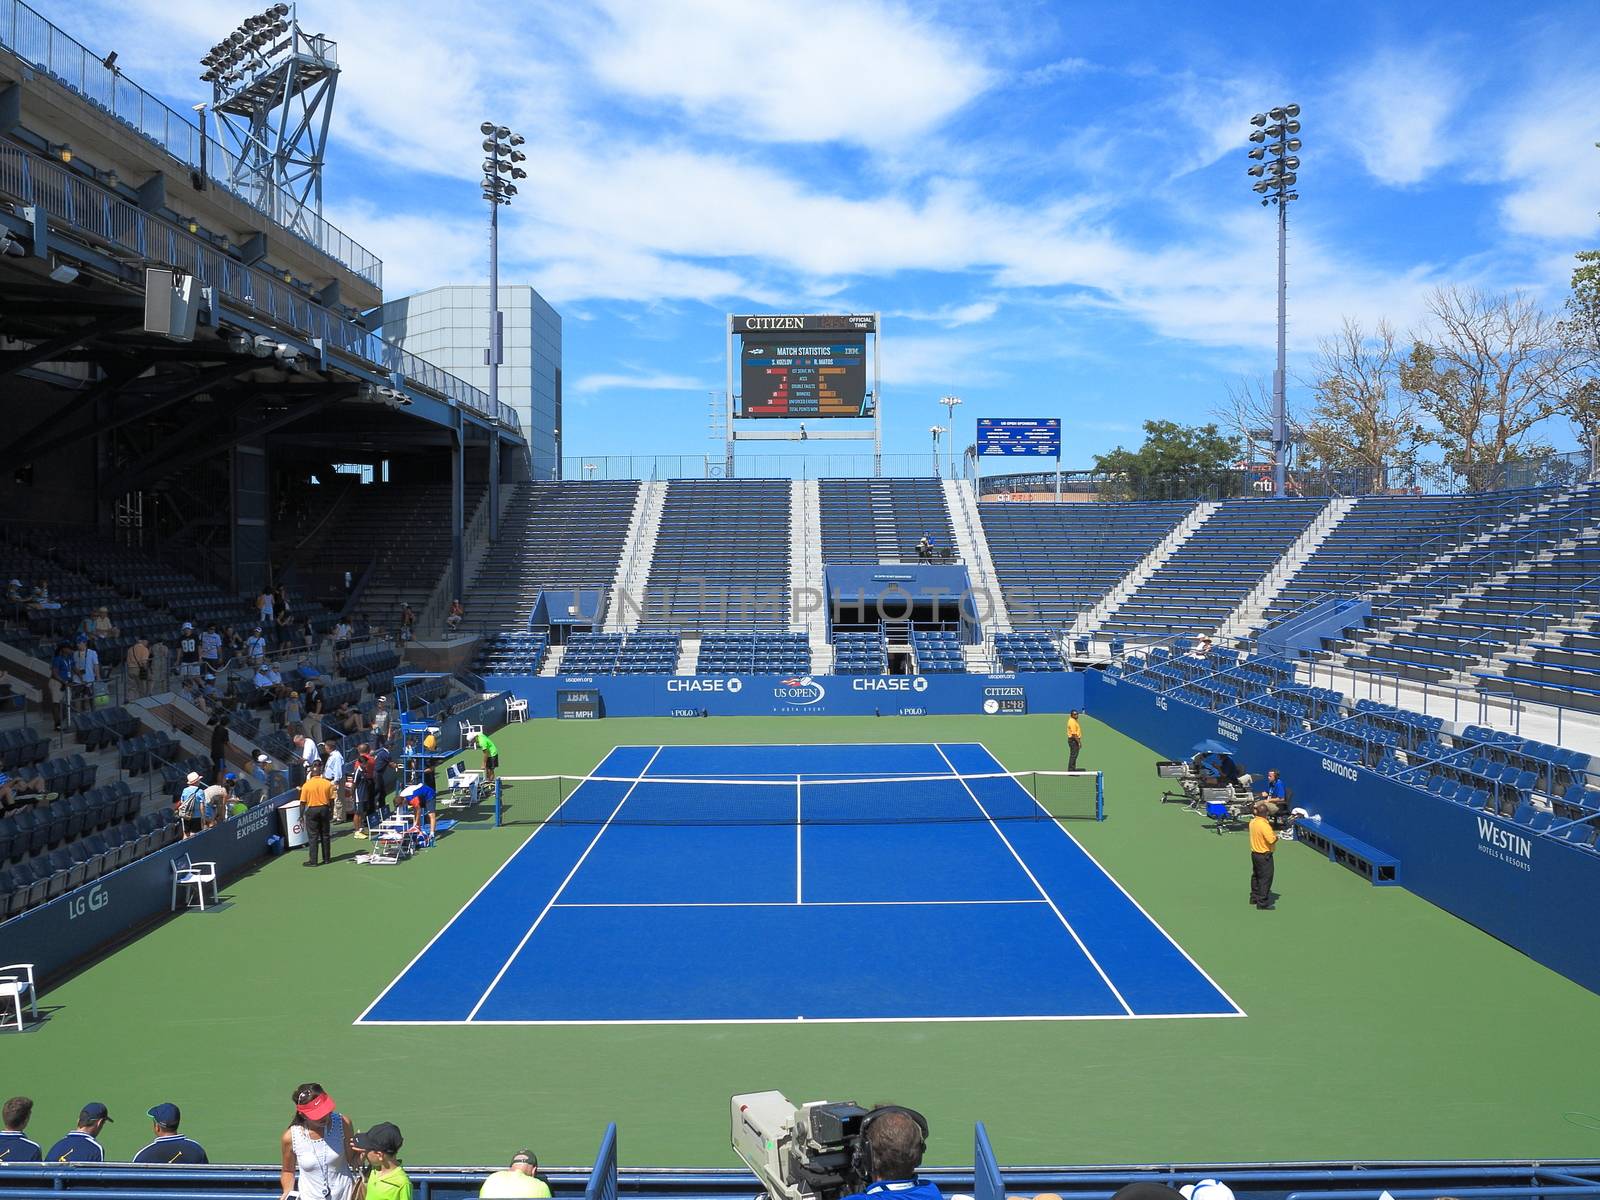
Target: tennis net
<point>805,799</point>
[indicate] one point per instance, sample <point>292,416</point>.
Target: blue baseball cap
<point>94,1111</point>
<point>166,1115</point>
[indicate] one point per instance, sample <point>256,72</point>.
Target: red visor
<point>316,1109</point>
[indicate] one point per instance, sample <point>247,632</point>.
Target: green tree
<point>1175,462</point>
<point>1581,402</point>
<point>1361,426</point>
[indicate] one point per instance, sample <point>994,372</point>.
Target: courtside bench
<point>1340,847</point>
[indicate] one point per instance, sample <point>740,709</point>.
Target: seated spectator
<point>262,771</point>
<point>39,598</point>
<point>924,548</point>
<point>361,628</point>
<point>457,614</point>
<point>17,791</point>
<point>266,677</point>
<point>103,628</point>
<point>15,1145</point>
<point>386,1178</point>
<point>170,1146</point>
<point>348,718</point>
<point>1273,793</point>
<point>82,1144</point>
<point>520,1181</point>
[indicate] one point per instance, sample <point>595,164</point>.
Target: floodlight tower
<point>950,403</point>
<point>936,430</point>
<point>499,169</point>
<point>1273,166</point>
<point>272,88</point>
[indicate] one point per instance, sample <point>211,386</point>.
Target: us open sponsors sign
<point>581,704</point>
<point>1001,699</point>
<point>802,323</point>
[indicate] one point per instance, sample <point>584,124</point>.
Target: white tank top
<point>322,1171</point>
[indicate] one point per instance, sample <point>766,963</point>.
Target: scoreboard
<point>803,367</point>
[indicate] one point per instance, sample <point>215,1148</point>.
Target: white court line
<point>446,928</point>
<point>1093,962</point>
<point>1176,945</point>
<point>841,1020</point>
<point>494,983</point>
<point>789,903</point>
<point>799,888</point>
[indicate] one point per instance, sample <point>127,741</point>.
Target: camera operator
<point>889,1153</point>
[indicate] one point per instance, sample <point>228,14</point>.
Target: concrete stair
<point>625,604</point>
<point>1152,562</point>
<point>973,549</point>
<point>1248,617</point>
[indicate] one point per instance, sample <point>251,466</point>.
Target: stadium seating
<point>867,521</point>
<point>1057,560</point>
<point>643,652</point>
<point>860,652</point>
<point>565,536</point>
<point>1205,579</point>
<point>722,555</point>
<point>1028,650</point>
<point>746,652</point>
<point>511,654</point>
<point>938,652</point>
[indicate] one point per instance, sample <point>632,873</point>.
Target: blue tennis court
<point>840,883</point>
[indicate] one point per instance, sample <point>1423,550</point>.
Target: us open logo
<point>799,690</point>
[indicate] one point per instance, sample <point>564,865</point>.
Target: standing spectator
<point>380,780</point>
<point>314,705</point>
<point>60,684</point>
<point>318,1159</point>
<point>491,757</point>
<point>137,665</point>
<point>333,767</point>
<point>363,779</point>
<point>170,1146</point>
<point>308,635</point>
<point>82,1144</point>
<point>85,672</point>
<point>342,634</point>
<point>255,646</point>
<point>293,713</point>
<point>520,1181</point>
<point>1074,740</point>
<point>15,1145</point>
<point>381,717</point>
<point>188,652</point>
<point>160,662</point>
<point>310,756</point>
<point>408,623</point>
<point>1262,840</point>
<point>214,804</point>
<point>211,649</point>
<point>386,1178</point>
<point>361,628</point>
<point>316,793</point>
<point>191,805</point>
<point>457,614</point>
<point>264,606</point>
<point>283,623</point>
<point>219,744</point>
<point>280,600</point>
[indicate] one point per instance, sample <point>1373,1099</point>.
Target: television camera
<point>798,1152</point>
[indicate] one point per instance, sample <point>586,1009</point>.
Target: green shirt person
<point>386,1178</point>
<point>491,757</point>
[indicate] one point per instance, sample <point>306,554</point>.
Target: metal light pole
<point>950,403</point>
<point>1274,182</point>
<point>936,430</point>
<point>499,169</point>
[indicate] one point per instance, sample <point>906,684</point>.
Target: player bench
<point>1381,868</point>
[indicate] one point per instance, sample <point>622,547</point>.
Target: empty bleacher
<point>1028,650</point>
<point>721,556</point>
<point>511,653</point>
<point>642,652</point>
<point>1205,579</point>
<point>1055,561</point>
<point>562,536</point>
<point>937,652</point>
<point>860,652</point>
<point>758,651</point>
<point>867,521</point>
<point>1560,668</point>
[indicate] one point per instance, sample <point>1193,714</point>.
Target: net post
<point>1099,795</point>
<point>497,804</point>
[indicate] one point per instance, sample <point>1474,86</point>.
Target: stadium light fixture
<point>499,169</point>
<point>951,403</point>
<point>1273,171</point>
<point>936,430</point>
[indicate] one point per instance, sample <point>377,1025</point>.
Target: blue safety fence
<point>602,1183</point>
<point>986,1181</point>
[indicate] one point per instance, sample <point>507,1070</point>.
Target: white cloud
<point>1546,153</point>
<point>659,382</point>
<point>866,72</point>
<point>1395,110</point>
<point>954,315</point>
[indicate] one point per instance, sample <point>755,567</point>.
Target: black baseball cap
<point>166,1115</point>
<point>93,1111</point>
<point>382,1137</point>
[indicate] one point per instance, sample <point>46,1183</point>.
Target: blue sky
<point>1046,201</point>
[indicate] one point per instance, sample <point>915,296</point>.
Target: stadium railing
<point>38,42</point>
<point>91,209</point>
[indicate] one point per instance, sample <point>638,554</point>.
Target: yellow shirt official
<point>1262,837</point>
<point>1074,730</point>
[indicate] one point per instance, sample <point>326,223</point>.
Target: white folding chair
<point>517,710</point>
<point>468,732</point>
<point>16,985</point>
<point>196,875</point>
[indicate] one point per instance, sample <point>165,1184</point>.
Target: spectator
<point>491,756</point>
<point>170,1146</point>
<point>520,1181</point>
<point>211,649</point>
<point>61,684</point>
<point>137,665</point>
<point>18,790</point>
<point>341,641</point>
<point>1202,647</point>
<point>280,601</point>
<point>318,1158</point>
<point>264,606</point>
<point>408,623</point>
<point>191,805</point>
<point>188,652</point>
<point>219,744</point>
<point>361,628</point>
<point>255,646</point>
<point>380,780</point>
<point>1273,793</point>
<point>283,623</point>
<point>103,628</point>
<point>310,756</point>
<point>293,713</point>
<point>895,1139</point>
<point>316,793</point>
<point>40,600</point>
<point>334,768</point>
<point>15,1145</point>
<point>215,802</point>
<point>457,614</point>
<point>364,785</point>
<point>82,1144</point>
<point>381,717</point>
<point>314,705</point>
<point>262,771</point>
<point>386,1178</point>
<point>1262,840</point>
<point>348,718</point>
<point>308,635</point>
